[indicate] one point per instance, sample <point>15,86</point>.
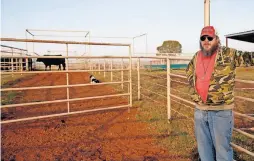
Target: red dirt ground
<point>107,135</point>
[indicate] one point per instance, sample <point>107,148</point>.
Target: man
<point>211,74</point>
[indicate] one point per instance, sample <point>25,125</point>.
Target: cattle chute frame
<point>67,71</point>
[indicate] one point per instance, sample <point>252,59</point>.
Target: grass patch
<point>244,142</point>
<point>11,97</point>
<point>10,80</point>
<point>179,132</point>
<point>8,98</point>
<point>246,73</point>
<point>177,135</point>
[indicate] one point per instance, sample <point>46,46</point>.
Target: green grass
<point>9,79</point>
<point>8,98</point>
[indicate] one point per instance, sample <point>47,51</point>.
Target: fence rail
<point>65,114</point>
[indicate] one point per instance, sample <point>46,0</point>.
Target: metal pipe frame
<point>100,57</point>
<point>67,80</point>
<point>237,80</point>
<point>56,36</point>
<point>12,61</point>
<point>62,42</point>
<point>9,63</point>
<point>70,71</point>
<point>145,34</point>
<point>29,32</point>
<point>64,100</point>
<point>104,68</point>
<point>64,114</point>
<point>13,47</point>
<point>138,71</point>
<point>168,90</point>
<point>130,76</point>
<point>5,51</point>
<point>242,149</point>
<point>110,37</point>
<point>207,12</point>
<point>122,67</point>
<point>67,72</point>
<point>56,30</point>
<point>61,51</point>
<point>99,66</point>
<point>72,57</point>
<point>111,68</point>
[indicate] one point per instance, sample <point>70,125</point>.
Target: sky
<point>161,20</point>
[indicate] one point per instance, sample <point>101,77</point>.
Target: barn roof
<point>247,36</point>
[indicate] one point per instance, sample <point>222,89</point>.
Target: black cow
<point>52,61</point>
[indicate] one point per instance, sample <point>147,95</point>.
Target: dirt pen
<point>134,114</point>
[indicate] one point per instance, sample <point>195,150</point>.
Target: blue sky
<point>180,20</point>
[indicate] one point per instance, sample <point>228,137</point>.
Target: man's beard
<point>211,51</point>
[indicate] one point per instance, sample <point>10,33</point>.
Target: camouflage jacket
<point>222,82</point>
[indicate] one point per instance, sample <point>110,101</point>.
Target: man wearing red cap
<point>211,74</point>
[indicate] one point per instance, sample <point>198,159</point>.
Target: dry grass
<point>181,140</point>
<point>246,73</point>
<point>8,81</point>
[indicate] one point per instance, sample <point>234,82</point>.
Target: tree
<point>170,46</point>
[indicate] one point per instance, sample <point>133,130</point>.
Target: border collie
<point>93,79</point>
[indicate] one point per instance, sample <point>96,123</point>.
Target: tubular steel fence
<point>67,71</point>
<point>106,64</point>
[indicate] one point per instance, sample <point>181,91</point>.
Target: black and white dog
<point>93,79</point>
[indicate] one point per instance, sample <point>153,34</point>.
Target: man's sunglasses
<point>202,38</point>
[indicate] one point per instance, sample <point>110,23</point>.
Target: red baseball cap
<point>208,30</point>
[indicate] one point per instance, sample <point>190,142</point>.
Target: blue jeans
<point>213,130</point>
